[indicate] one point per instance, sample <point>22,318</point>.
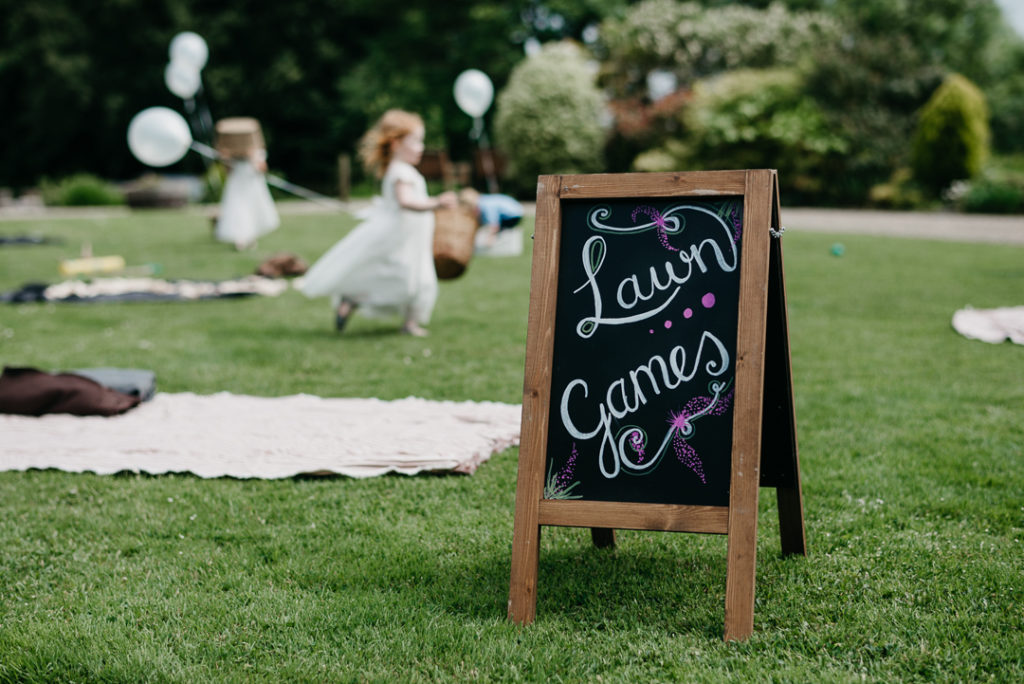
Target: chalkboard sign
<point>657,306</point>
<point>643,373</point>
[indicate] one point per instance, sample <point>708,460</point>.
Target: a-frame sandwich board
<point>588,226</point>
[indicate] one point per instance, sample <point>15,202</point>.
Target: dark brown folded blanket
<point>32,392</point>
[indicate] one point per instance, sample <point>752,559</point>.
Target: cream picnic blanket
<point>232,435</point>
<point>991,325</point>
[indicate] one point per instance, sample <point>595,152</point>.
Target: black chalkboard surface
<point>643,372</point>
<point>657,392</point>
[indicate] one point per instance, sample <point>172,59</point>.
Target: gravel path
<point>1007,230</point>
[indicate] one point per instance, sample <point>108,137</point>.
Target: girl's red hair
<point>375,146</point>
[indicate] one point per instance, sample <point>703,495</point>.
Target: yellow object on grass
<point>91,265</point>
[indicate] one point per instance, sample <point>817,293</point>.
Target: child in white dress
<point>385,266</point>
<point>246,208</point>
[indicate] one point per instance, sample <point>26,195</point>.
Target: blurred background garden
<point>856,102</point>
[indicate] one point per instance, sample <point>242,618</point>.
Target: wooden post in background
<point>344,176</point>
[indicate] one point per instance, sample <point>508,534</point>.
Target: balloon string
<point>205,150</point>
<point>205,118</point>
<point>196,124</point>
<point>276,181</point>
<point>486,154</point>
<point>303,192</point>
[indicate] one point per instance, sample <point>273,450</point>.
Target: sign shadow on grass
<point>657,587</point>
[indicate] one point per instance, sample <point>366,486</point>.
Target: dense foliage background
<point>317,72</point>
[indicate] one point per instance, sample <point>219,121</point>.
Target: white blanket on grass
<point>231,435</point>
<point>991,325</point>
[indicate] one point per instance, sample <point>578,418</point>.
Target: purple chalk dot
<point>687,312</point>
<point>668,324</point>
<point>651,331</point>
<point>708,300</point>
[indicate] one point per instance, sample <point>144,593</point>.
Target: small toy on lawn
<point>87,266</point>
<point>90,265</point>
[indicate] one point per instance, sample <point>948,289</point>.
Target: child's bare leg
<point>345,309</point>
<point>411,327</point>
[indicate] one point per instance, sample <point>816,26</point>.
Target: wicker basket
<point>454,232</point>
<point>238,136</point>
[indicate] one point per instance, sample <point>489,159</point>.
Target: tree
<point>869,65</point>
<point>692,41</point>
<point>753,118</point>
<point>890,59</point>
<point>314,72</point>
<point>71,81</point>
<point>952,138</point>
<point>683,42</point>
<point>549,117</point>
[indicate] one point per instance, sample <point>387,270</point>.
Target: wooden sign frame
<point>764,444</point>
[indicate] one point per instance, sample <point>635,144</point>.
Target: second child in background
<point>494,212</point>
<point>246,208</point>
<point>385,266</point>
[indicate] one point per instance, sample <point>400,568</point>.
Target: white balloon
<point>473,92</point>
<point>182,79</point>
<point>158,136</point>
<point>190,48</point>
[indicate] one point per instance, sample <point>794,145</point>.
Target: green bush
<point>999,189</point>
<point>900,192</point>
<point>952,138</point>
<point>988,196</point>
<point>1006,103</point>
<point>753,119</point>
<point>869,88</point>
<point>548,117</point>
<point>80,190</point>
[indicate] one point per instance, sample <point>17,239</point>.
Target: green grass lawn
<point>911,441</point>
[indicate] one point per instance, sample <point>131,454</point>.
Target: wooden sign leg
<point>780,464</point>
<point>780,467</point>
<point>522,599</point>
<point>522,596</point>
<point>780,410</point>
<point>747,414</point>
<point>742,565</point>
<point>603,537</point>
<point>791,521</point>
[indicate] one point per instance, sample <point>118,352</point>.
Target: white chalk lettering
<point>661,286</point>
<point>711,353</point>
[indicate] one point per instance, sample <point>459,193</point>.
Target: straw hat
<point>238,137</point>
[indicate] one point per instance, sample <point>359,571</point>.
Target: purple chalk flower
<point>682,425</point>
<point>659,221</point>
